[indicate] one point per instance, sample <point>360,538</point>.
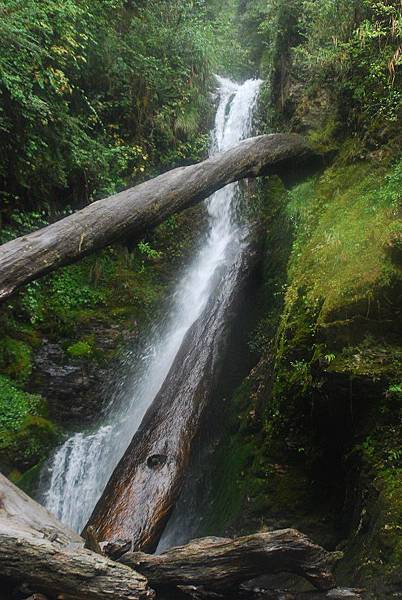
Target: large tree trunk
<point>37,550</point>
<point>145,485</point>
<point>221,565</point>
<point>144,206</point>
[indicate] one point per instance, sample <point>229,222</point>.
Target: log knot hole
<point>156,461</point>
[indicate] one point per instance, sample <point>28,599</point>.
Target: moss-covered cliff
<point>315,435</point>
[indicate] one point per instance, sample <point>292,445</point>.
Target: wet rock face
<point>67,385</point>
<point>75,388</point>
<point>340,593</point>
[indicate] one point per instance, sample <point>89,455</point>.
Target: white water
<point>82,466</point>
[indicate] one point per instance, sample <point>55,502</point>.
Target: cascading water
<point>82,466</point>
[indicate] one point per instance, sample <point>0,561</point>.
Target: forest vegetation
<point>97,96</point>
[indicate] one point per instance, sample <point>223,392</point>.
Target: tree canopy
<point>93,91</point>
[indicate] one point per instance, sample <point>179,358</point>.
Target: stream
<point>77,474</point>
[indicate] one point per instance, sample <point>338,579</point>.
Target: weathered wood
<point>18,511</point>
<point>76,574</point>
<point>141,207</point>
<point>145,485</point>
<point>38,551</point>
<point>220,564</point>
<point>91,541</point>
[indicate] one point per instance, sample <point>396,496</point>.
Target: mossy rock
<point>372,358</point>
<point>28,481</point>
<point>26,435</point>
<point>16,405</point>
<point>28,446</point>
<point>15,359</point>
<point>373,551</point>
<point>80,349</point>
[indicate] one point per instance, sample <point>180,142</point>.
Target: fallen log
<point>137,209</point>
<point>78,575</point>
<point>19,512</point>
<point>37,550</point>
<point>220,564</point>
<point>145,485</point>
<point>43,556</point>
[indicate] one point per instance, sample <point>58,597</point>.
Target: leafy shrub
<point>70,289</point>
<point>16,405</point>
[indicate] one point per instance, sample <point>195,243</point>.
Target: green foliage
<point>93,92</point>
<point>395,388</point>
<point>16,405</point>
<point>146,249</point>
<point>26,436</point>
<point>22,222</point>
<point>15,359</point>
<point>355,45</point>
<point>70,289</point>
<point>263,29</point>
<point>342,55</point>
<point>32,302</point>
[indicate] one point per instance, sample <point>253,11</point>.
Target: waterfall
<point>82,466</point>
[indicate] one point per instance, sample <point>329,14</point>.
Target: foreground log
<point>38,551</point>
<point>145,485</point>
<point>79,575</point>
<point>144,206</point>
<point>19,512</point>
<point>221,565</point>
<point>44,556</point>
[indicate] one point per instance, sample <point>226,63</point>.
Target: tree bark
<point>145,485</point>
<point>221,565</point>
<point>37,550</point>
<point>146,205</point>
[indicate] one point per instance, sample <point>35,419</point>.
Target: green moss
<point>26,447</point>
<point>374,548</point>
<point>316,435</point>
<point>344,215</point>
<point>372,358</point>
<point>81,349</point>
<point>29,480</point>
<point>324,139</point>
<point>15,359</point>
<point>343,289</point>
